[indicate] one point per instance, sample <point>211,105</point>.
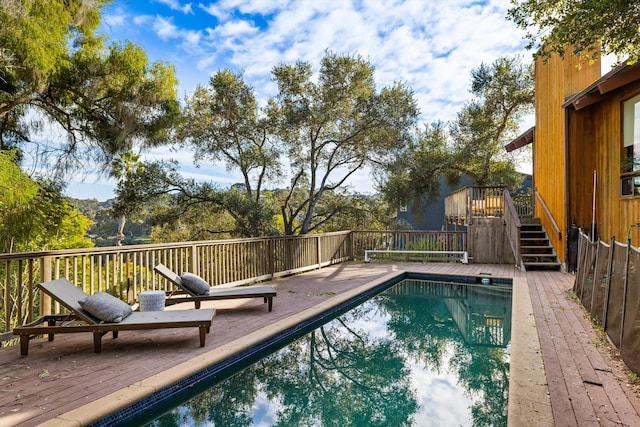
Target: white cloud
<point>175,5</point>
<point>114,19</point>
<point>165,29</point>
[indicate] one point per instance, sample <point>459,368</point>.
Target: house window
<point>630,166</point>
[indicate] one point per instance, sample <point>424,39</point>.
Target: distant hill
<point>104,228</point>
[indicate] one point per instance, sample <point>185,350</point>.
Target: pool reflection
<point>421,353</point>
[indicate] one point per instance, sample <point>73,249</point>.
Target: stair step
<point>534,242</point>
<point>536,252</point>
<point>542,265</point>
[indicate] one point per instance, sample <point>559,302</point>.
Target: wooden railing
<point>513,226</point>
<point>548,216</point>
<point>427,241</point>
<point>457,206</point>
<point>126,271</point>
<point>463,205</point>
<point>523,204</point>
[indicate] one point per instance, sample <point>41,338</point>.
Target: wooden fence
<point>125,271</point>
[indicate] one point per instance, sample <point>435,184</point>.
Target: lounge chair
<point>209,293</point>
<point>80,320</point>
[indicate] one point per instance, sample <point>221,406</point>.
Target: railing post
<point>45,276</point>
<point>607,287</point>
<point>195,265</point>
<point>319,251</point>
<point>624,291</point>
<point>272,257</point>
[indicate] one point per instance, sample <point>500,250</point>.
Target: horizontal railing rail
<point>125,271</point>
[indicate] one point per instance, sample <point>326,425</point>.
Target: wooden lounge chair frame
<point>79,320</point>
<point>174,297</point>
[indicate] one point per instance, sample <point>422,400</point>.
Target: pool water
<point>421,353</point>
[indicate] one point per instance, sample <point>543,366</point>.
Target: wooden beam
<point>587,100</point>
<point>619,80</point>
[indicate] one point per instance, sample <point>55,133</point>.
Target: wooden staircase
<point>536,252</point>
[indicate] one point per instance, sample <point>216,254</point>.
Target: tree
<point>582,26</point>
<point>123,168</point>
<point>472,145</point>
<point>223,122</point>
<point>504,93</point>
<point>356,212</point>
<point>34,215</point>
<point>332,127</point>
<point>414,175</point>
<point>103,98</point>
<point>159,186</point>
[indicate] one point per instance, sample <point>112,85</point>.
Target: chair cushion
<point>106,307</point>
<point>195,283</point>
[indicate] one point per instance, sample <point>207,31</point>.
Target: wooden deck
<point>586,385</point>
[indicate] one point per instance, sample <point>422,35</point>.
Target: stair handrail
<point>513,226</point>
<point>549,216</point>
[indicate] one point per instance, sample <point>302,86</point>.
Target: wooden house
<point>586,150</point>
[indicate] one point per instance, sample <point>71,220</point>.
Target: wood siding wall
<point>555,80</point>
<point>595,144</point>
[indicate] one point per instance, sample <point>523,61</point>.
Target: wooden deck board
<point>561,404</point>
<point>586,385</point>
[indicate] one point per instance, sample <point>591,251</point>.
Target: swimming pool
<point>418,353</point>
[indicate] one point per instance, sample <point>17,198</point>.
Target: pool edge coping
<point>528,390</point>
<point>528,393</point>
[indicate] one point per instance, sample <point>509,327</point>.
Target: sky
<point>431,45</point>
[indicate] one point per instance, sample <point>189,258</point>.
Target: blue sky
<point>431,45</point>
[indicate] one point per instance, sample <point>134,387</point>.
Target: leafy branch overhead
<point>580,27</point>
<point>103,97</point>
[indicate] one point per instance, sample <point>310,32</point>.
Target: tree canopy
<point>471,145</point>
<point>224,122</point>
<point>34,215</point>
<point>503,94</point>
<point>584,26</point>
<point>103,97</point>
<point>332,127</point>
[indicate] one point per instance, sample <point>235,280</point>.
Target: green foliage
<point>504,93</point>
<point>223,122</point>
<point>183,204</point>
<point>200,222</point>
<point>332,126</point>
<point>473,145</point>
<point>103,97</point>
<point>355,212</point>
<point>580,26</point>
<point>414,175</point>
<point>34,216</point>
